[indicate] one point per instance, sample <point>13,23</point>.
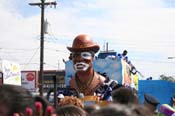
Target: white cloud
<point>143,27</point>
<point>20,41</point>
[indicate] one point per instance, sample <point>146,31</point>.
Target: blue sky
<point>145,28</point>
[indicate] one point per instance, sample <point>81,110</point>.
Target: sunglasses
<point>84,55</point>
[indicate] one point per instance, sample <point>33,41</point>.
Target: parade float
<point>111,65</point>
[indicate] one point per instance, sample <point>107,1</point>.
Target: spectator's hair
<point>91,108</point>
<point>113,110</point>
<point>15,98</point>
<point>124,95</point>
<point>141,110</point>
<point>70,110</point>
<point>71,100</point>
<point>122,110</point>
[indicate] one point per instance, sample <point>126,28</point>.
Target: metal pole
<point>42,47</point>
<point>42,6</point>
<point>55,90</point>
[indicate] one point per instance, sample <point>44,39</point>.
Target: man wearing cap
<point>86,80</point>
<point>151,103</point>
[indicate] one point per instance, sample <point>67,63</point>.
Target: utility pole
<point>42,6</point>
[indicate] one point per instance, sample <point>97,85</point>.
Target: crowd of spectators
<point>18,101</point>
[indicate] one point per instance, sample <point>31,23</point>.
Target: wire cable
<point>32,57</point>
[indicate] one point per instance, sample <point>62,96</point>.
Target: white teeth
<point>81,66</point>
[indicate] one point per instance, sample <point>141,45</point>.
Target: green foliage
<point>168,78</point>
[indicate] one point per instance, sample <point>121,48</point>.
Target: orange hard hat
<point>83,42</point>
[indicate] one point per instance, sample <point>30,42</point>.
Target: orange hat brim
<point>94,48</point>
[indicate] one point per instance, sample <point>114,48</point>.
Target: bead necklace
<point>83,86</point>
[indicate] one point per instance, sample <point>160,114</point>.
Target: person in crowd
<point>86,79</point>
<point>122,110</point>
<point>71,100</point>
<point>140,110</point>
<point>14,99</point>
<point>124,55</point>
<point>124,95</point>
<point>151,103</point>
<point>149,78</point>
<point>18,101</point>
<point>173,101</point>
<point>44,102</point>
<point>59,97</point>
<point>1,81</point>
<point>114,110</point>
<point>70,110</point>
<point>91,108</point>
<point>38,111</point>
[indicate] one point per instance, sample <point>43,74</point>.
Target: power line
<point>32,57</point>
<point>17,49</point>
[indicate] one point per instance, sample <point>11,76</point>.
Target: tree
<point>168,78</point>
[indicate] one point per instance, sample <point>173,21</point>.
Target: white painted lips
<point>81,66</point>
